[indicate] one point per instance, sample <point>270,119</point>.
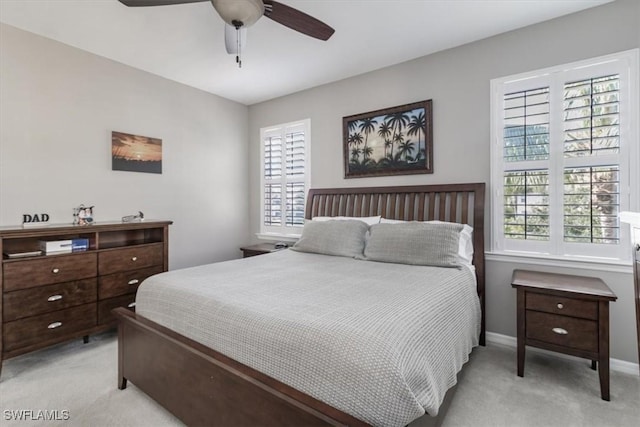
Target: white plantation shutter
<point>592,116</point>
<point>272,187</point>
<point>296,191</point>
<point>272,204</point>
<point>526,204</point>
<point>592,204</point>
<point>526,125</point>
<point>565,158</point>
<point>525,142</point>
<point>592,140</point>
<point>285,175</point>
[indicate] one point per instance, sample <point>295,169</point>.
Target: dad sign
<point>33,218</point>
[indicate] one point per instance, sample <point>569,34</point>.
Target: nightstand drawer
<point>115,261</point>
<point>563,306</point>
<point>48,270</point>
<point>581,334</point>
<point>45,299</point>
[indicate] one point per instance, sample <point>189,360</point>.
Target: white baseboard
<point>615,364</point>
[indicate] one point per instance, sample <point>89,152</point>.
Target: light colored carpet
<point>81,378</point>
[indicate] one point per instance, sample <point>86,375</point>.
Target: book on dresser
<point>56,246</point>
<point>61,291</point>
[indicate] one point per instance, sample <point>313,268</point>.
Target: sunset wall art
<point>135,153</point>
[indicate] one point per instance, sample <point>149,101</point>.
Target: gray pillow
<point>434,244</point>
<point>336,237</point>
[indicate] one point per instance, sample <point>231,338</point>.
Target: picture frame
<point>390,141</point>
<point>135,153</point>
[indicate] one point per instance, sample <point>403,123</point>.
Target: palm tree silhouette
<point>385,132</point>
<point>417,125</point>
<point>388,144</point>
<point>399,139</point>
<point>356,139</point>
<point>367,125</point>
<point>397,122</point>
<point>406,148</point>
<point>366,153</point>
<point>355,153</point>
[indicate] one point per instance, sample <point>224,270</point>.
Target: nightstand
<point>566,314</point>
<point>259,249</point>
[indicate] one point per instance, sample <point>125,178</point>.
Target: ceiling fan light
<point>245,11</point>
<point>234,40</point>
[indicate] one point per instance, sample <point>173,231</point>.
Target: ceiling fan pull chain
<point>238,43</point>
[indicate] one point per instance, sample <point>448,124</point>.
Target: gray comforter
<point>380,341</point>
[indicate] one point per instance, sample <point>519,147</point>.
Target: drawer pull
<point>131,305</point>
<point>54,325</point>
<point>135,258</point>
<point>54,298</point>
<point>55,271</point>
<point>560,306</point>
<point>560,331</point>
<point>134,281</point>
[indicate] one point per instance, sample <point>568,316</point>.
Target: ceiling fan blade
<point>137,3</point>
<point>296,20</point>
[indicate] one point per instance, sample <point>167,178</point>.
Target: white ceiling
<point>185,43</point>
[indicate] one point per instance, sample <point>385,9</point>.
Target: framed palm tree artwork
<point>392,141</point>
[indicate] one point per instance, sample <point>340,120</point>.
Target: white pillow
<point>369,220</point>
<point>465,243</point>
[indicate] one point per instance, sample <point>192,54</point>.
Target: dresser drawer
<point>124,283</point>
<point>48,327</point>
<point>117,260</point>
<point>45,299</point>
<point>105,307</point>
<point>48,270</point>
<point>561,305</point>
<point>581,334</point>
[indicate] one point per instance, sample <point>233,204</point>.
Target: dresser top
<point>15,230</point>
<point>569,283</point>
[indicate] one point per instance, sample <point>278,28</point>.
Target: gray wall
<point>458,82</point>
<point>58,106</point>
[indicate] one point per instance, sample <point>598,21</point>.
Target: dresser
<point>564,313</point>
<point>48,299</point>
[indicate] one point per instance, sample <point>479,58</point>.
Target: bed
<point>207,372</point>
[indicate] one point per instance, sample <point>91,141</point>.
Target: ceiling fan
<point>240,14</point>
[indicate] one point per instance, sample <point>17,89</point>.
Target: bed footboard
<point>203,387</point>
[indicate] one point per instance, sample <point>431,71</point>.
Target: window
<point>564,158</point>
<point>285,178</point>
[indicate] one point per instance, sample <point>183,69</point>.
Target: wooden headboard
<point>461,203</point>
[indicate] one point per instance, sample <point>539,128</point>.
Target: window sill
<point>598,264</point>
<point>278,237</point>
